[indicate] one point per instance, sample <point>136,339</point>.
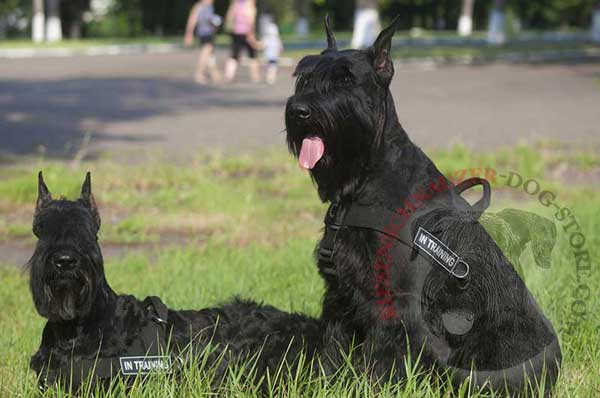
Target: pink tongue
<point>311,152</point>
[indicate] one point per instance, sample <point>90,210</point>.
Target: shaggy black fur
<point>88,320</point>
<point>343,98</point>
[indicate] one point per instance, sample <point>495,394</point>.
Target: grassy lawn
<point>221,226</point>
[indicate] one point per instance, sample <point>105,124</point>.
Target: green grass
<point>451,52</point>
<point>200,234</point>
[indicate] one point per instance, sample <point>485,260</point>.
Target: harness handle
<point>482,204</point>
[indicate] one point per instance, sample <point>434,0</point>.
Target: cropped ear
<point>382,62</point>
<point>88,198</point>
<point>44,196</point>
<point>331,42</point>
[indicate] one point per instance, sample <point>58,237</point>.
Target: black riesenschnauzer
<point>93,333</point>
<point>408,268</point>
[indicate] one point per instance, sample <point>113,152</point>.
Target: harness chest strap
<point>379,219</point>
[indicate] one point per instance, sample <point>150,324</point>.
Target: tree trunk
<point>75,29</point>
<point>465,23</point>
<point>596,23</point>
<point>53,25</point>
<point>366,24</point>
<point>302,27</point>
<point>497,24</point>
<point>76,8</point>
<point>38,22</point>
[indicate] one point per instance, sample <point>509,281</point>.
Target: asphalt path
<point>127,106</point>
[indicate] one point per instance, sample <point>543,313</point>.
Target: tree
<point>302,8</point>
<point>38,23</point>
<point>596,23</point>
<point>53,24</point>
<point>497,24</point>
<point>72,17</point>
<point>465,23</point>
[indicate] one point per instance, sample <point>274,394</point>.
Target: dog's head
<point>335,119</point>
<point>66,269</point>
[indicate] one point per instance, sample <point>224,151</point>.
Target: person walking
<point>241,23</point>
<point>203,23</point>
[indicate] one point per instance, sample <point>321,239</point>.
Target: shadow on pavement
<point>55,117</point>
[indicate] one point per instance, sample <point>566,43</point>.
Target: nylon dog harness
<point>378,219</point>
<point>146,353</point>
<point>427,248</point>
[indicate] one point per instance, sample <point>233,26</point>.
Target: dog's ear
<point>331,42</point>
<point>88,198</point>
<point>44,196</point>
<point>382,61</point>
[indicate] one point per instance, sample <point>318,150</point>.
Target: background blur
<point>118,18</point>
<point>197,192</point>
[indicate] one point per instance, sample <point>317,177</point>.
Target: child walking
<point>273,47</point>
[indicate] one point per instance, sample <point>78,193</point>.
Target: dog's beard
<point>65,296</point>
<point>70,297</point>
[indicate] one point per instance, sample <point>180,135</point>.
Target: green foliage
<point>7,6</point>
<point>123,20</point>
<point>546,14</point>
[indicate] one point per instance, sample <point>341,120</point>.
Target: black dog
<point>408,268</point>
<point>94,334</point>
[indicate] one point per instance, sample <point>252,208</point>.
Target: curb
<point>585,55</point>
<point>20,53</point>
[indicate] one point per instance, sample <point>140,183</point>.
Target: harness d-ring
<point>482,204</point>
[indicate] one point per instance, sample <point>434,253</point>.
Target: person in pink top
<point>241,23</point>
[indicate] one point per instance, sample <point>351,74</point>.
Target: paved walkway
<point>130,104</point>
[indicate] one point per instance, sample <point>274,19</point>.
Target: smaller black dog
<point>95,334</point>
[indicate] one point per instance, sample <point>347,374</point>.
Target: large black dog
<point>94,334</point>
<point>408,268</point>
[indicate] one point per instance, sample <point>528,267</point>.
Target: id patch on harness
<point>441,254</point>
<point>131,366</point>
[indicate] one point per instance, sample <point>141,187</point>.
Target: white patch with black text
<point>441,253</point>
<point>131,366</point>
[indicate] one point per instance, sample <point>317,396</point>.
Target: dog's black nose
<point>64,261</point>
<point>302,111</point>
